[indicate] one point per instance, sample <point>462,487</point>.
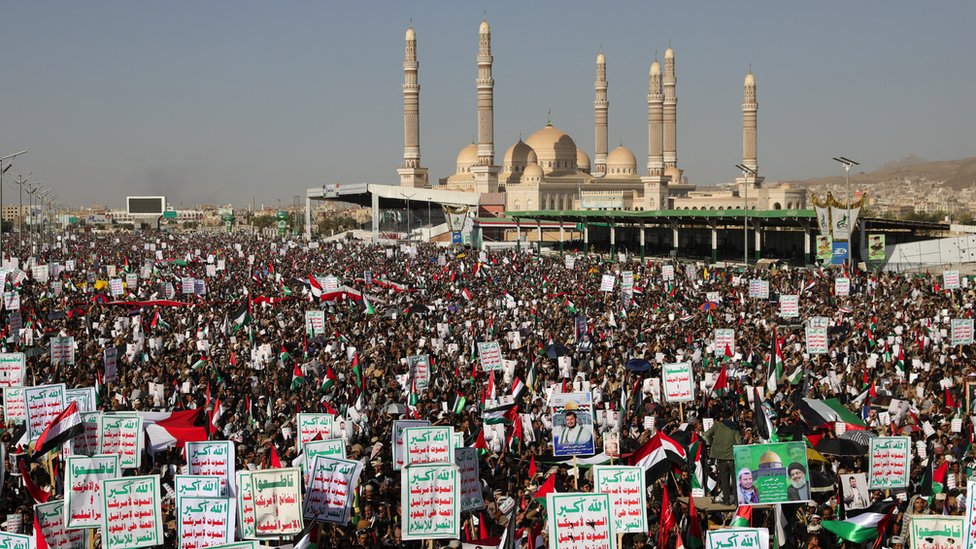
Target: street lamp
<point>9,159</point>
<point>746,172</point>
<point>20,181</point>
<point>848,164</point>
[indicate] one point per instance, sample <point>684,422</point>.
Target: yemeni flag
<point>297,378</point>
<point>241,316</point>
<point>775,368</point>
<point>168,429</point>
<point>357,371</point>
<point>657,455</point>
<point>467,294</point>
<point>863,527</point>
<point>314,287</point>
<point>742,518</point>
<point>518,388</point>
<point>329,381</point>
<point>62,428</point>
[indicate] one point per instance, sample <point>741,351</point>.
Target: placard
<point>315,322</point>
<point>11,369</point>
<point>771,473</point>
<point>16,541</point>
<point>11,301</point>
<point>215,458</point>
<point>817,343</point>
<point>14,405</point>
<point>133,516</point>
<point>607,283</point>
<point>277,502</point>
<point>312,426</point>
<point>737,538</point>
<point>430,502</point>
<point>950,280</point>
<point>88,442</point>
<point>397,445</point>
<point>628,499</point>
<point>122,435</point>
<point>572,424</point>
<point>962,331</point>
<point>204,521</point>
<point>667,272</point>
<point>789,306</point>
<point>679,383</point>
<point>855,488</point>
<point>467,461</point>
<point>724,337</point>
<point>245,504</point>
<point>331,488</point>
<point>429,445</point>
<point>335,447</point>
<point>63,350</point>
<point>570,262</point>
<point>50,519</point>
<point>938,532</point>
<point>196,486</point>
<point>971,514</point>
<point>110,360</point>
<point>43,404</point>
<point>758,289</point>
<point>115,287</point>
<point>187,285</point>
<point>84,396</point>
<point>889,462</point>
<point>580,521</point>
<point>490,353</point>
<point>419,368</point>
<point>842,286</point>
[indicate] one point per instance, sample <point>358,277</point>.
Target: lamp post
<point>41,195</point>
<point>9,159</point>
<point>848,164</point>
<point>746,172</point>
<point>21,181</point>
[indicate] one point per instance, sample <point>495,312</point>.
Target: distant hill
<point>956,174</point>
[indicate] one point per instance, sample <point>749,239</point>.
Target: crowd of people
<point>889,342</point>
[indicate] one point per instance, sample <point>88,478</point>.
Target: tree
<point>263,221</point>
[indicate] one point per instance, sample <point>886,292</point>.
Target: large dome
<point>517,157</point>
<point>467,157</point>
<point>555,149</point>
<point>621,161</point>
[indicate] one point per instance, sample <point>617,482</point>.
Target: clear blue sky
<point>223,101</point>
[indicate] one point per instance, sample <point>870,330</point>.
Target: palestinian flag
<point>283,356</point>
<point>329,381</point>
<point>775,368</point>
<point>865,526</point>
<point>722,381</point>
<point>570,306</point>
<point>742,518</point>
<point>901,363</point>
<point>481,444</point>
<point>760,420</point>
<point>62,428</point>
<point>369,305</point>
<point>797,376</point>
<point>695,466</point>
<point>202,361</point>
<point>696,539</point>
<point>819,413</point>
<point>357,370</point>
<point>241,316</point>
<point>459,402</point>
<point>499,414</point>
<point>297,378</point>
<point>158,321</point>
<point>657,455</point>
<point>548,487</point>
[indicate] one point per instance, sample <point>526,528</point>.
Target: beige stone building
<point>549,171</point>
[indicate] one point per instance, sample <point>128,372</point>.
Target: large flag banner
<point>789,306</point>
<point>842,286</point>
<point>467,462</point>
<point>628,499</point>
<point>204,521</point>
<point>724,338</point>
<point>490,353</point>
<point>397,446</point>
<point>44,403</point>
<point>63,351</point>
<point>841,222</point>
<point>962,331</point>
<point>817,342</point>
<point>122,435</point>
<point>11,369</point>
<point>331,488</point>
<point>133,513</point>
<point>245,505</point>
<point>314,426</point>
<point>823,218</point>
<point>196,486</point>
<point>580,521</point>
<point>83,478</point>
<point>334,448</point>
<point>16,541</point>
<point>277,502</point>
<point>825,248</point>
<point>876,247</point>
<point>315,322</point>
<point>950,280</point>
<point>889,462</point>
<point>429,445</point>
<point>679,383</point>
<point>572,424</point>
<point>938,532</point>
<point>430,502</point>
<point>50,519</point>
<point>14,405</point>
<point>737,538</point>
<point>419,368</point>
<point>771,473</point>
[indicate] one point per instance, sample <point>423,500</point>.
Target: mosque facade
<point>549,171</point>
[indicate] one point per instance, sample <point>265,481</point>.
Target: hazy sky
<point>225,101</point>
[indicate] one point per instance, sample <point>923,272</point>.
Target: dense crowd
<point>888,343</point>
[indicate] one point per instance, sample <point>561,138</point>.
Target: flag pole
<point>575,474</point>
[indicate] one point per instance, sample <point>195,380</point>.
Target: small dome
<point>533,173</point>
<point>582,160</point>
<point>517,156</point>
<point>655,68</point>
<point>410,34</point>
<point>467,157</point>
<point>484,29</point>
<point>674,173</point>
<point>621,161</point>
<point>532,158</point>
<point>669,53</point>
<point>600,59</point>
<point>750,79</point>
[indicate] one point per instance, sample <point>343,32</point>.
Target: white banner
<point>789,306</point>
<point>679,383</point>
<point>842,286</point>
<point>429,445</point>
<point>737,538</point>
<point>312,426</point>
<point>950,280</point>
<point>628,499</point>
<point>889,462</point>
<point>724,337</point>
<point>214,459</point>
<point>14,405</point>
<point>50,519</point>
<point>204,521</point>
<point>396,445</point>
<point>817,343</point>
<point>607,283</point>
<point>122,435</point>
<point>133,513</point>
<point>277,502</point>
<point>580,521</point>
<point>467,461</point>
<point>490,353</point>
<point>11,369</point>
<point>430,502</point>
<point>331,488</point>
<point>44,403</point>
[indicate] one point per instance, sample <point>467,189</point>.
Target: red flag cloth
<point>667,519</point>
<point>275,461</point>
<point>723,380</point>
<point>548,487</point>
<point>695,536</point>
<point>39,541</point>
<point>532,469</point>
<point>728,351</point>
<point>939,475</point>
<point>39,496</point>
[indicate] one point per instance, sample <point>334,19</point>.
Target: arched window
<point>777,206</point>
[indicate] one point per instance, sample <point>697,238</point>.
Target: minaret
<point>411,173</point>
<point>600,106</point>
<point>655,182</point>
<point>670,111</point>
<point>750,106</point>
<point>655,122</point>
<point>485,172</point>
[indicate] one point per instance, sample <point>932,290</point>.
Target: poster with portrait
<point>572,424</point>
<point>771,473</point>
<point>855,491</point>
<point>825,248</point>
<point>876,247</point>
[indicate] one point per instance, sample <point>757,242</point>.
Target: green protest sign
<point>771,473</point>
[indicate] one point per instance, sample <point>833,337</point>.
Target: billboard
<point>145,205</point>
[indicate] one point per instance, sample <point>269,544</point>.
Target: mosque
<point>549,171</point>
